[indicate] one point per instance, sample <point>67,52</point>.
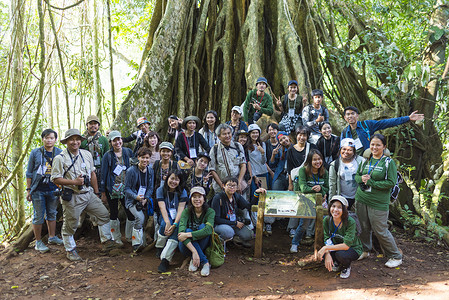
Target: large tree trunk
<point>17,11</point>
<point>209,56</point>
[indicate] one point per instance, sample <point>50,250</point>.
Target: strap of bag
<point>187,144</point>
<point>225,161</point>
<point>212,240</point>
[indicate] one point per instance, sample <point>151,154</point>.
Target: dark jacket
<point>182,150</point>
<point>108,164</point>
<point>220,204</point>
<point>132,184</point>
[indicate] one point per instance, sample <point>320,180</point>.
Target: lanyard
<point>315,180</point>
<point>336,228</point>
<point>288,103</point>
<point>372,169</point>
<point>74,161</point>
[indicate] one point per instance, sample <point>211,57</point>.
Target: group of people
<point>205,178</point>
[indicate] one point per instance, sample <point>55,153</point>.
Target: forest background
<point>61,61</point>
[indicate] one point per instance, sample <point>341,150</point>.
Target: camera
<point>57,192</point>
<point>139,206</point>
<point>364,187</point>
<point>86,182</point>
<point>244,221</point>
<point>46,179</point>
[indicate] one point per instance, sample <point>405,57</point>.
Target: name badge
<point>118,170</point>
<point>232,217</point>
<point>291,112</point>
<point>141,191</point>
<point>368,190</point>
<point>358,144</point>
<point>329,242</point>
<point>192,153</point>
<point>172,212</point>
<point>97,160</point>
<point>42,169</point>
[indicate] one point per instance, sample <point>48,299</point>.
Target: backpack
<point>395,189</point>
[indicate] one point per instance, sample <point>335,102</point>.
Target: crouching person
<point>74,170</point>
<point>342,245</point>
<point>195,229</point>
<point>229,220</point>
<point>171,198</point>
<point>138,190</point>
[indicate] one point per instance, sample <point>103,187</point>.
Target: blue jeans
<point>255,118</point>
<point>200,246</point>
<point>254,187</point>
<point>302,227</point>
<point>174,235</point>
<point>280,184</point>
<point>44,203</point>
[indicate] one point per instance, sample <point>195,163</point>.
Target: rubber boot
<point>169,249</point>
<point>129,230</point>
<point>115,232</point>
<point>105,232</point>
<point>137,239</point>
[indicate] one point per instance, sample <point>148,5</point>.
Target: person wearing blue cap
<point>291,108</point>
<point>257,102</point>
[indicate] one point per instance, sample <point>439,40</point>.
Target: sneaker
<point>268,229</point>
<point>294,249</point>
<point>192,268</point>
<point>163,267</point>
<point>55,241</point>
<point>292,232</point>
<point>73,255</point>
<point>345,273</point>
<point>363,255</point>
<point>205,270</point>
<point>40,246</point>
<point>393,263</point>
<point>335,267</point>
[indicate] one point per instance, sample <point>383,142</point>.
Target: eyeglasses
<point>231,186</point>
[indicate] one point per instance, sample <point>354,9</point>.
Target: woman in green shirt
<point>342,245</point>
<point>375,177</point>
<point>195,228</point>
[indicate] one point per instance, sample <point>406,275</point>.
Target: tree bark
<point>97,79</point>
<point>111,61</point>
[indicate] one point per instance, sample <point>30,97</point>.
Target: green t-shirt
<point>379,195</point>
<point>346,233</point>
<point>305,183</point>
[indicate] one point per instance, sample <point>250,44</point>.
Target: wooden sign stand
<point>260,208</point>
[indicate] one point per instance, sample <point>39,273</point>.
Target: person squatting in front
<point>112,185</point>
<point>341,243</point>
<point>74,170</point>
<point>171,198</point>
<point>139,183</point>
<point>195,230</point>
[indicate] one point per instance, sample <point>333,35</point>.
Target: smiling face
<point>197,200</point>
<point>292,89</point>
<point>301,138</point>
<point>210,120</point>
<point>377,147</point>
<point>351,117</point>
<point>173,182</point>
<point>242,139</point>
<point>326,131</point>
<point>261,86</point>
<point>145,127</point>
<point>285,141</point>
<point>202,163</point>
<point>117,144</point>
<point>144,161</point>
<point>152,140</point>
<point>191,125</point>
<point>336,210</point>
<point>272,132</point>
<point>165,153</point>
<point>225,136</point>
<point>235,116</point>
<point>230,187</point>
<point>254,135</point>
<point>74,143</point>
<point>92,127</point>
<point>173,123</point>
<point>317,162</point>
<point>347,153</point>
<point>49,140</point>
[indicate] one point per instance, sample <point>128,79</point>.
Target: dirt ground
<point>279,275</point>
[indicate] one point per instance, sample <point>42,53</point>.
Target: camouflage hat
<point>71,132</point>
<point>197,189</point>
<point>93,118</point>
